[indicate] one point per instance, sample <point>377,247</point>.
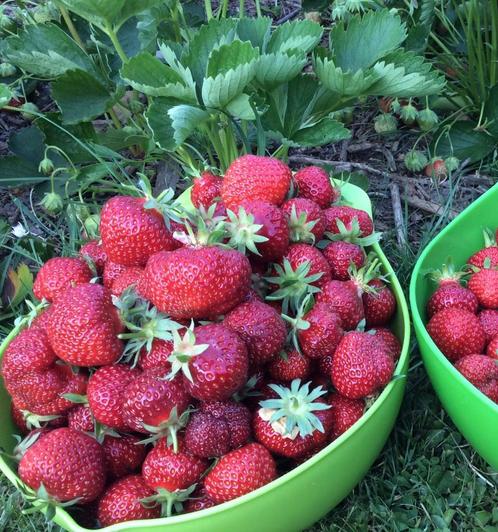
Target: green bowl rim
<point>403,360</point>
<point>417,318</point>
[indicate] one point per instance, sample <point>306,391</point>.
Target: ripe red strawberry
<point>70,464</point>
<point>130,277</point>
<point>457,332</point>
<point>482,372</point>
<point>492,349</point>
<point>58,274</point>
<point>340,255</point>
<point>158,355</point>
<point>261,228</point>
<point>200,501</point>
<point>80,418</point>
<point>236,415</point>
<point>253,177</point>
<point>240,472</point>
<point>121,502</point>
<point>170,470</point>
<point>150,399</point>
<point>286,425</point>
<point>205,190</point>
<point>306,220</point>
<point>488,254</point>
<point>360,367</point>
<point>357,223</point>
<point>123,455</point>
<point>261,328</point>
<point>111,272</point>
<point>298,254</point>
<point>106,394</point>
<point>33,377</point>
<point>214,360</point>
<point>436,168</point>
<point>198,282</point>
<point>42,319</point>
<point>314,183</point>
<point>389,341</point>
<point>451,294</point>
<point>323,334</point>
<point>207,436</point>
<point>489,322</point>
<point>484,284</point>
<point>94,251</point>
<point>380,305</point>
<point>324,365</point>
<point>131,232</point>
<point>294,366</point>
<point>83,326</point>
<point>346,412</point>
<point>342,299</point>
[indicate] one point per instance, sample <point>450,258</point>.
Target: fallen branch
<point>398,214</point>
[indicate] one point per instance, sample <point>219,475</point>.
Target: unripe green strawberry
<point>408,114</point>
<point>52,202</point>
<point>452,163</point>
<point>91,225</point>
<point>385,124</point>
<point>7,70</point>
<point>28,110</point>
<point>46,166</point>
<point>415,161</point>
<point>427,119</point>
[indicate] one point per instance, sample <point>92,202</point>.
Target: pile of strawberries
<point>193,355</point>
<point>463,320</point>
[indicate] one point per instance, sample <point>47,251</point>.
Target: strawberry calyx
<point>300,230</point>
<point>248,390</point>
<point>447,274</point>
<point>184,350</point>
<point>23,444</point>
<point>169,500</point>
<point>292,414</point>
<point>243,232</point>
<point>203,228</point>
<point>298,323</point>
<point>489,238</point>
<point>43,501</point>
<point>167,429</point>
<point>33,312</point>
<point>354,234</point>
<point>361,277</point>
<point>37,421</point>
<point>294,285</point>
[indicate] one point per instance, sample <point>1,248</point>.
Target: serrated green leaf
<point>117,139</point>
<point>254,30</point>
<point>324,132</point>
<point>47,51</point>
<point>172,60</point>
<point>15,172</point>
<point>230,56</point>
<point>301,35</point>
<point>277,68</point>
<point>240,107</point>
<point>5,95</point>
<point>80,97</point>
<point>147,74</point>
<point>366,39</point>
<point>220,90</point>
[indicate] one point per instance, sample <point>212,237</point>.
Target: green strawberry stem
<point>169,500</point>
<point>184,350</point>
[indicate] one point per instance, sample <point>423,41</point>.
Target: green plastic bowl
<point>475,415</point>
<point>299,498</point>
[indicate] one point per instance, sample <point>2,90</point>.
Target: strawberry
<point>340,255</point>
<point>324,365</point>
<point>437,168</point>
<point>94,251</point>
<point>286,425</point>
<point>482,372</point>
<point>451,294</point>
<point>26,421</point>
<point>342,299</point>
<point>122,502</point>
<point>252,177</point>
<point>292,366</point>
<point>83,326</point>
<point>389,341</point>
<point>346,412</point>
<point>200,500</point>
<point>81,418</point>
<point>170,470</point>
<point>153,403</point>
<point>379,305</point>
<point>261,328</point>
<point>457,332</point>
<point>130,277</point>
<point>213,359</point>
<point>34,378</point>
<point>484,284</point>
<point>206,189</point>
<point>489,252</point>
<point>198,282</point>
<point>259,227</point>
<point>492,349</point>
<point>111,272</point>
<point>42,319</point>
<point>158,355</point>
<point>320,439</point>
<point>240,472</point>
<point>68,463</point>
<point>237,417</point>
<point>207,436</point>
<point>313,183</point>
<point>58,274</point>
<point>298,254</point>
<point>360,366</point>
<point>106,394</point>
<point>489,322</point>
<point>123,455</point>
<point>348,221</point>
<point>306,220</point>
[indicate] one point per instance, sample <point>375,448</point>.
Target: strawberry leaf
<point>301,35</point>
<point>254,30</point>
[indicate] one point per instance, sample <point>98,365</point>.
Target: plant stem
<point>117,45</point>
<point>223,9</point>
<point>114,118</point>
<point>258,8</point>
<point>209,9</point>
<point>70,26</point>
<point>242,8</point>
